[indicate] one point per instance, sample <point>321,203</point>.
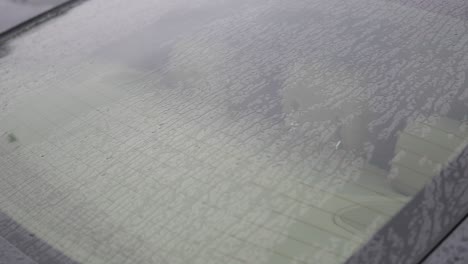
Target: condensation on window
<point>227,131</point>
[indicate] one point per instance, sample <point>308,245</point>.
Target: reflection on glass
<point>233,133</point>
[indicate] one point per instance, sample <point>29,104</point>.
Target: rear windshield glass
<point>228,131</point>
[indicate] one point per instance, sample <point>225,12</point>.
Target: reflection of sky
<point>211,133</point>
<point>363,99</point>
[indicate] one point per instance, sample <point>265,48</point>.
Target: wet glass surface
<point>228,131</point>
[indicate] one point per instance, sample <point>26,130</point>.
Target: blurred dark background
<point>15,12</point>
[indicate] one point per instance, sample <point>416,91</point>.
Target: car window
<point>228,131</point>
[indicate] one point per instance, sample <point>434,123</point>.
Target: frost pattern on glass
<point>228,131</point>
